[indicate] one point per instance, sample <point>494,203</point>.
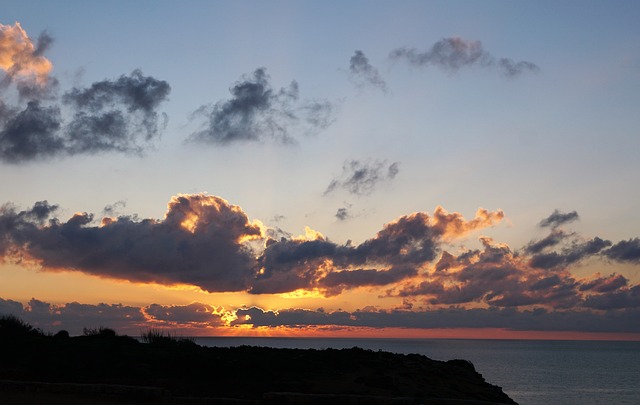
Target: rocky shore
<point>106,368</point>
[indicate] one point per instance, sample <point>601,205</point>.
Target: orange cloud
<point>19,58</point>
<point>453,225</point>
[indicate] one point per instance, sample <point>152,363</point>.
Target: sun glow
<point>302,293</point>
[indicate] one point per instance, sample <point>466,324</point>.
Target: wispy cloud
<point>363,74</point>
<point>452,54</point>
<point>558,218</point>
<point>256,112</point>
<point>361,178</point>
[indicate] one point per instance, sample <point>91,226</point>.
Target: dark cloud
<point>573,253</point>
<point>199,242</point>
<point>397,252</point>
<point>454,317</point>
<point>343,214</point>
<point>74,317</point>
<point>257,112</point>
<point>109,116</point>
<point>615,299</point>
<point>363,74</point>
<point>339,280</point>
<point>115,115</point>
<point>193,314</point>
<point>361,178</point>
<point>553,239</point>
<point>605,284</point>
<point>206,242</point>
<point>31,134</point>
<point>625,251</point>
<point>452,54</point>
<point>10,307</point>
<point>558,218</point>
<point>112,210</point>
<point>539,274</point>
<point>127,319</point>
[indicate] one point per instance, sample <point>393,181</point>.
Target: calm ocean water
<point>531,372</point>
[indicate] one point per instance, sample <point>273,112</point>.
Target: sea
<point>531,372</point>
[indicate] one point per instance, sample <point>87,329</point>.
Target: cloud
<point>361,178</point>
<point>452,54</point>
<point>256,112</point>
<point>32,134</point>
<point>109,116</point>
<point>21,60</point>
<point>201,241</point>
<point>194,314</point>
<point>115,115</point>
<point>452,317</point>
<point>625,251</point>
<point>343,214</point>
<point>570,254</point>
<point>398,251</point>
<point>112,210</point>
<point>536,275</point>
<point>205,241</point>
<point>10,307</point>
<point>200,318</point>
<point>362,74</point>
<point>618,299</point>
<point>74,317</point>
<point>558,218</point>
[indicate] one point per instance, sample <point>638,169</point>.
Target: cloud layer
<point>207,242</point>
<point>199,318</point>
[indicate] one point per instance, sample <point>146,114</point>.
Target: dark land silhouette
<point>105,368</point>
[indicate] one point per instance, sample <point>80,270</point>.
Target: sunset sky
<point>297,168</point>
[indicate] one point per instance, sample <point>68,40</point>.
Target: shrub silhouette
<point>12,327</point>
<point>100,331</point>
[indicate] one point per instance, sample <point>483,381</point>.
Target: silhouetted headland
<point>105,368</point>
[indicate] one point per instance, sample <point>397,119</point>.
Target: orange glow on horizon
<point>302,293</point>
<point>329,332</point>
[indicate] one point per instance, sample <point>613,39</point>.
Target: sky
<point>295,168</point>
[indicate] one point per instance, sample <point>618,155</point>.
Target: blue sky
<point>559,134</point>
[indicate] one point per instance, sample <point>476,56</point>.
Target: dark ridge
<point>103,367</point>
